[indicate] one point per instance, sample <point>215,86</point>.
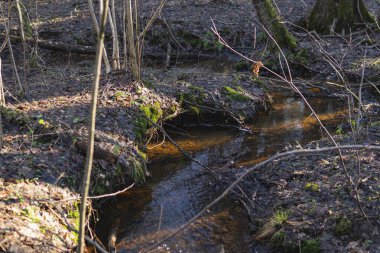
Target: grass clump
<point>138,170</point>
<point>278,239</point>
<point>236,94</point>
<point>311,246</point>
<point>274,229</point>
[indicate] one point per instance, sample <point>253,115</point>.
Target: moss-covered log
<point>329,16</point>
<point>271,20</point>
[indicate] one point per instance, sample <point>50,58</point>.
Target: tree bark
<point>271,20</point>
<point>341,16</point>
<point>2,103</point>
<point>133,53</point>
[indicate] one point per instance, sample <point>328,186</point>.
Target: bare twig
<point>2,103</point>
<point>91,197</point>
<point>360,105</point>
<point>152,19</point>
<point>91,129</point>
<point>248,171</point>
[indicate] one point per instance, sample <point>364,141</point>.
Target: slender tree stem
<point>96,27</point>
<point>91,129</point>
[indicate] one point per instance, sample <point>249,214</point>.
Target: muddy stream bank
<point>180,188</point>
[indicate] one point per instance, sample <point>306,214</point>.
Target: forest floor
<point>45,131</point>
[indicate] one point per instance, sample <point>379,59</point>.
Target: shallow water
<point>180,188</point>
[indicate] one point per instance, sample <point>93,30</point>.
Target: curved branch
<point>248,171</point>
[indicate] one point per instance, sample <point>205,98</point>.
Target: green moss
<point>310,246</point>
<point>312,187</point>
<point>280,217</point>
<point>235,94</point>
<point>343,226</point>
<point>281,34</point>
<point>149,112</point>
<point>195,95</point>
<point>140,126</point>
<point>152,111</point>
<point>73,213</point>
<point>120,95</point>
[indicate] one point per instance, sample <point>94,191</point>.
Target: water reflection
<point>179,188</point>
<point>290,122</point>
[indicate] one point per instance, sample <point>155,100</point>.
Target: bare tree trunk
<point>125,35</point>
<point>20,88</point>
<point>329,16</point>
<point>2,95</point>
<point>115,37</point>
<point>2,103</point>
<point>14,65</point>
<point>131,41</point>
<point>96,27</point>
<point>91,129</point>
<point>270,19</point>
<point>1,132</point>
<point>22,27</point>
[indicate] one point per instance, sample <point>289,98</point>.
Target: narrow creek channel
<point>180,188</point>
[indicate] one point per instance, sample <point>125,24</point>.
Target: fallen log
<point>53,45</point>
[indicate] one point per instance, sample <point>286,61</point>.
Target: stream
<point>180,188</point>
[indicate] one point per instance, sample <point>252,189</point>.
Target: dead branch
<point>276,157</point>
<point>91,197</point>
<point>53,45</point>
